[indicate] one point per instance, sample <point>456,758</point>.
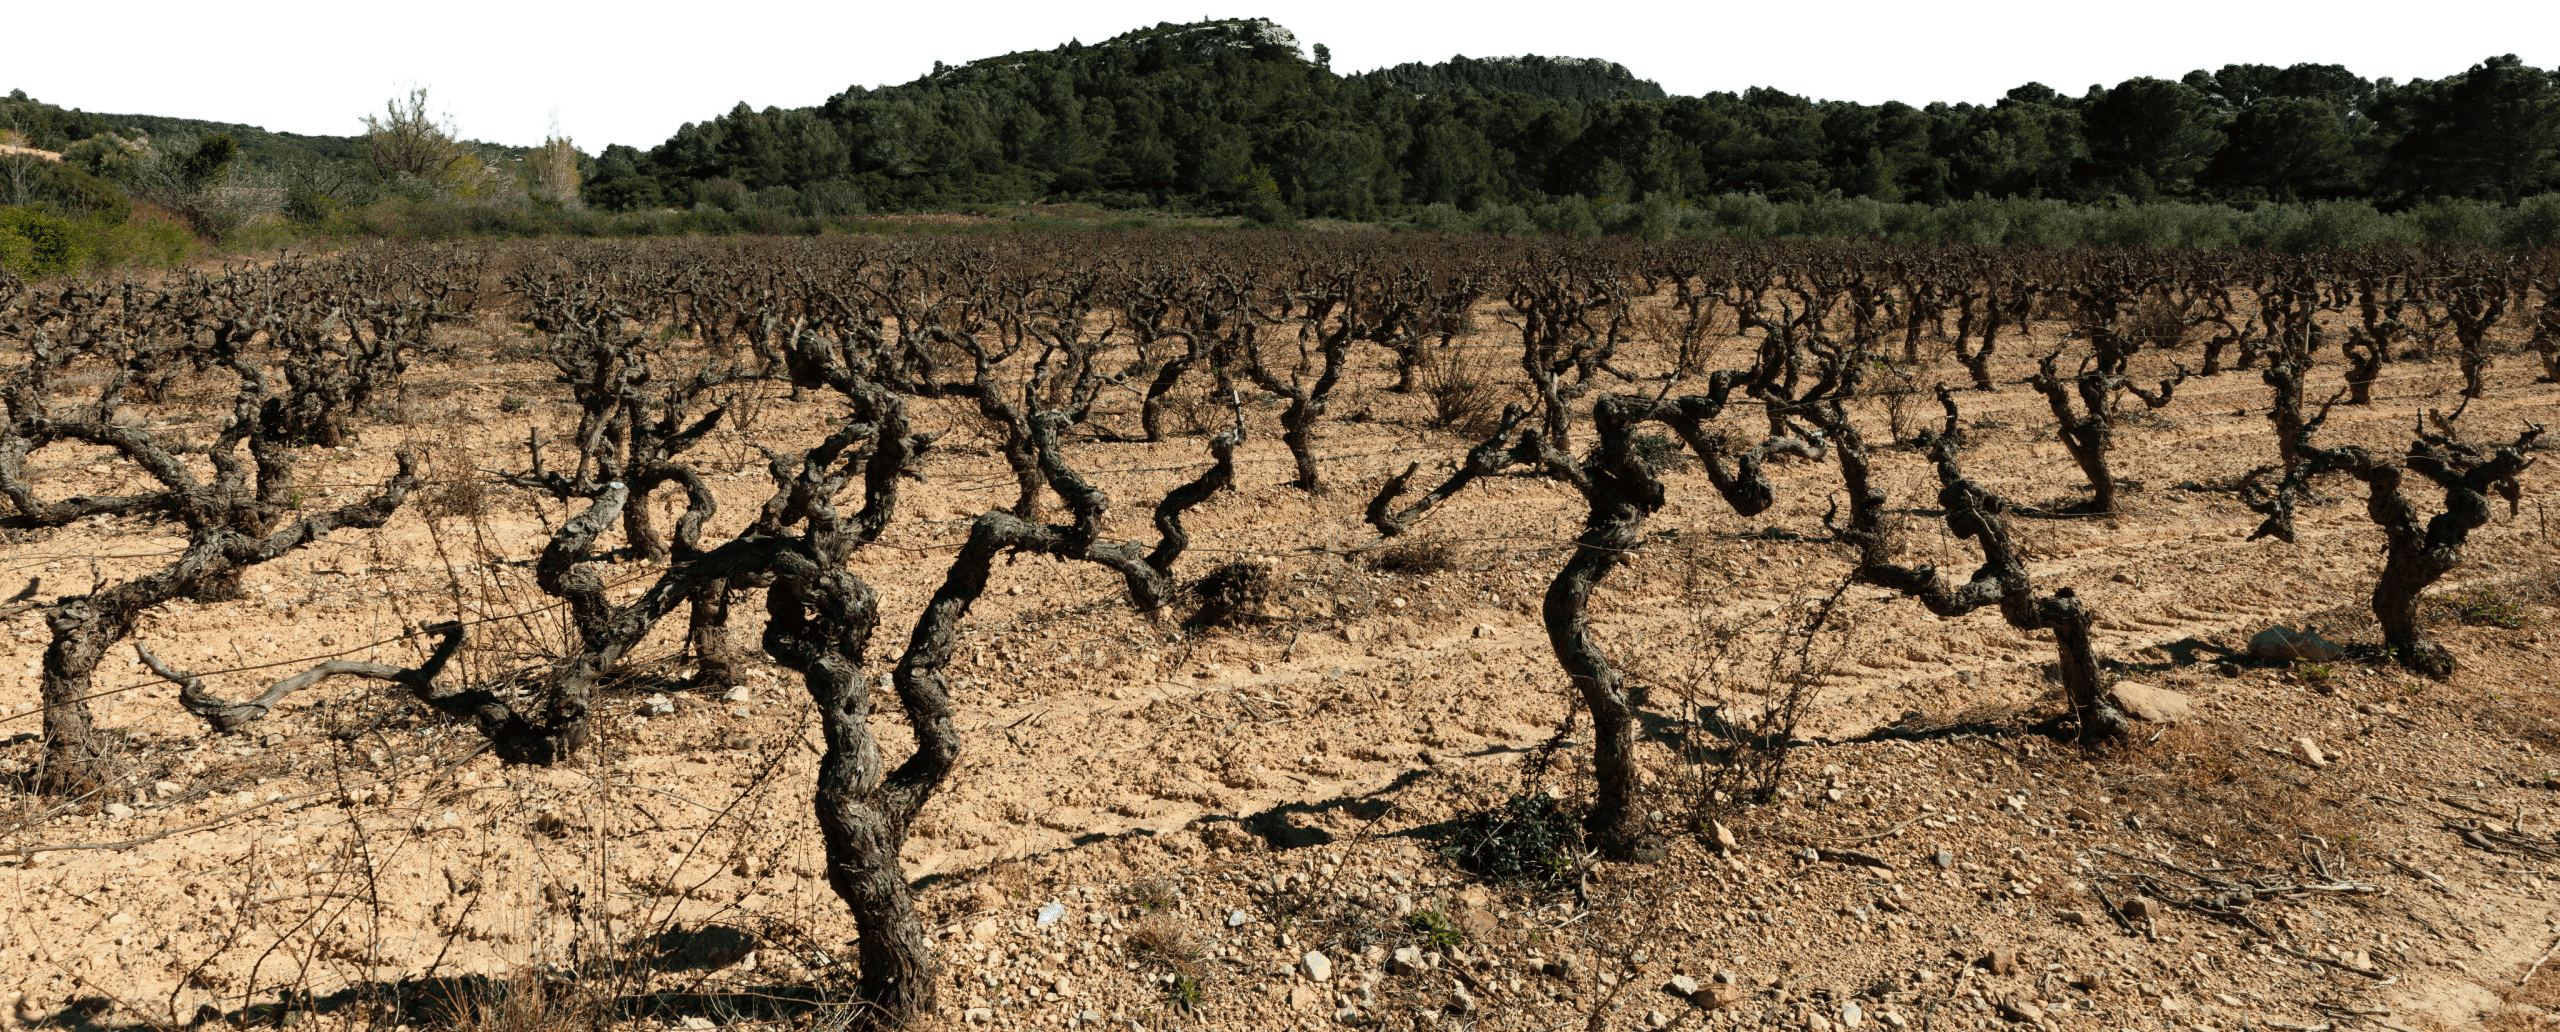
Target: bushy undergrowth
<point>39,241</point>
<point>41,245</point>
<point>2288,227</point>
<point>35,242</point>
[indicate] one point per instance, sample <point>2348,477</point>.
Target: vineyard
<point>1250,630</point>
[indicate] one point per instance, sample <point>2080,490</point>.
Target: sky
<point>631,72</point>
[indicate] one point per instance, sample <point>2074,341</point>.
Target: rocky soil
<point>1244,828</point>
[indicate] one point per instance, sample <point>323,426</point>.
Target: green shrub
<point>1652,218</point>
<point>1571,217</point>
<point>2455,222</point>
<point>2166,224</point>
<point>2321,225</point>
<point>2046,221</point>
<point>1748,216</point>
<point>15,253</point>
<point>309,206</point>
<point>148,240</point>
<point>1263,207</point>
<point>621,189</point>
<point>106,157</point>
<point>2535,223</point>
<point>1981,221</point>
<point>1832,215</point>
<point>1506,220</point>
<point>70,191</point>
<point>1441,218</point>
<point>49,244</point>
<point>211,158</point>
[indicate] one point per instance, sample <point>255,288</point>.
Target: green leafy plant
<point>2315,674</point>
<point>1528,836</point>
<point>1184,992</point>
<point>2487,606</point>
<point>513,403</point>
<point>1434,928</point>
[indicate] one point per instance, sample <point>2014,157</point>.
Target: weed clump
<point>1433,929</point>
<point>1234,594</point>
<point>1527,836</point>
<point>1415,559</point>
<point>1660,453</point>
<point>1152,895</point>
<point>2487,606</point>
<point>1161,936</point>
<point>1465,396</point>
<point>1185,992</point>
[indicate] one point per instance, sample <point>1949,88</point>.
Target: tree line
<point>1229,119</point>
<point>1245,125</point>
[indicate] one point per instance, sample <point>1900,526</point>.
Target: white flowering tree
<point>551,170</point>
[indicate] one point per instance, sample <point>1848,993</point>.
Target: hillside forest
<point>1234,120</point>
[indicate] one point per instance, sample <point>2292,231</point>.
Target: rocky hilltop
<point>1204,39</point>
<point>1562,78</point>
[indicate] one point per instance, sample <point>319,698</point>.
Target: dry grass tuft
<point>2525,1007</point>
<point>1413,560</point>
<point>2156,323</point>
<point>2208,784</point>
<point>524,1001</point>
<point>1152,894</point>
<point>1235,594</point>
<point>1160,934</point>
<point>458,489</point>
<point>1465,394</point>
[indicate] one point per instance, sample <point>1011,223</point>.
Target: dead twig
<point>1886,833</point>
<point>2537,965</point>
<point>1851,856</point>
<point>2418,872</point>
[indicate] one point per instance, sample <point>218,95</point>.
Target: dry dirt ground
<point>1157,826</point>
